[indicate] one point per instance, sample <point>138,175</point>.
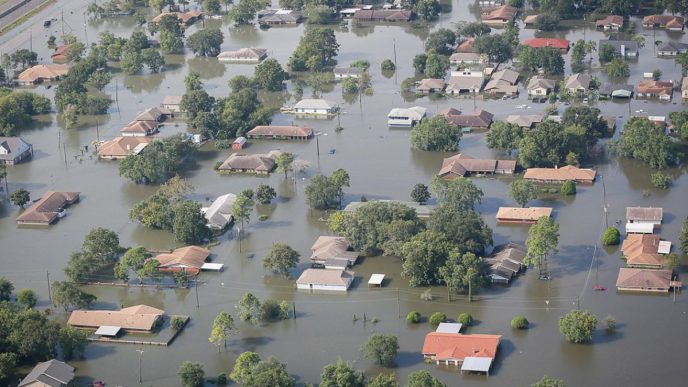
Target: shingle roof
<point>244,53</point>
<point>189,256</point>
<point>280,131</point>
<point>461,164</point>
<point>643,278</point>
<point>578,81</point>
<point>122,146</point>
<point>254,162</point>
<point>611,19</point>
<point>14,146</point>
<point>428,84</point>
<point>52,373</point>
<point>528,214</point>
<point>642,249</point>
<point>315,104</point>
<point>480,119</point>
<point>644,214</point>
<point>43,71</point>
<point>45,209</point>
<point>537,82</point>
<point>561,44</point>
<point>568,172</point>
<point>525,120</point>
<point>331,247</point>
<point>505,12</point>
<point>445,346</point>
<point>139,317</point>
<point>220,211</point>
<point>331,277</point>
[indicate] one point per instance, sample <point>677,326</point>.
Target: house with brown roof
<point>503,82</point>
<point>325,279</point>
<point>60,54</point>
<point>173,103</point>
<point>649,88</point>
<point>279,17</point>
<point>644,280</point>
<point>527,121</point>
<point>643,220</point>
<point>466,46</point>
<point>13,150</point>
<point>51,373</point>
<point>185,18</point>
<point>459,349</point>
<point>610,23</point>
<point>560,175</point>
<point>42,73</point>
<point>530,20</point>
<point>642,251</point>
<point>668,22</point>
<point>528,215</point>
<point>505,262</point>
<point>430,85</point>
<point>48,208</point>
<point>333,252</point>
<point>539,86</point>
<point>157,114</point>
<point>560,44</point>
<point>121,147</point>
<point>277,132</point>
<point>383,15</point>
<point>138,318</point>
<point>476,120</point>
<point>461,165</point>
<point>188,259</point>
<point>243,55</point>
<point>578,84</point>
<point>498,17</point>
<point>140,128</point>
<point>261,164</point>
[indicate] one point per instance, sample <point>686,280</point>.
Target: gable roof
<point>537,82</point>
<point>219,213</point>
<point>631,45</point>
<point>415,112</point>
<point>644,214</point>
<point>610,19</point>
<point>332,277</point>
<point>123,146</point>
<point>253,162</point>
<point>578,81</point>
<point>672,46</point>
<point>479,119</point>
<point>138,317</point>
<point>244,53</point>
<point>507,75</point>
<point>568,172</point>
<point>428,84</point>
<point>643,278</point>
<point>152,114</point>
<point>192,257</point>
<point>527,214</point>
<point>43,71</point>
<point>280,131</point>
<point>309,103</point>
<point>667,20</point>
<point>13,146</point>
<point>331,247</point>
<point>461,164</point>
<point>465,46</point>
<point>525,120</point>
<point>650,86</point>
<point>383,14</point>
<point>642,249</point>
<point>52,373</point>
<point>45,209</point>
<point>561,44</point>
<point>172,100</point>
<point>455,346</point>
<point>505,12</point>
<point>140,126</point>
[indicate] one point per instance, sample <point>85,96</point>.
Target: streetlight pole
<point>140,351</point>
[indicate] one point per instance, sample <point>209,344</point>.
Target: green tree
<point>383,380</point>
<point>549,59</point>
<point>679,120</point>
<point>269,372</point>
<point>150,269</point>
<point>341,374</point>
<point>382,349</point>
<point>285,162</point>
<point>191,374</point>
<point>437,318</point>
<point>32,335</point>
<point>68,295</point>
<point>462,271</point>
<point>436,65</point>
<point>683,238</point>
<point>317,49</point>
<point>152,58</point>
<point>606,53</point>
<point>8,360</point>
<point>618,68</point>
<point>245,11</point>
<point>441,41</point>
<point>547,22</point>
<point>102,244</point>
<point>99,79</point>
<point>349,86</point>
<point>271,310</point>
<point>281,259</point>
<point>205,42</point>
<point>577,326</point>
<point>519,322</point>
<point>660,179</point>
<point>436,134</point>
<point>543,239</point>
<point>465,319</point>
<point>177,323</point>
<point>239,113</point>
<point>155,212</point>
<point>176,188</point>
<point>23,58</point>
<point>20,197</point>
<point>420,193</point>
<point>6,289</point>
<point>413,317</point>
<point>322,193</point>
<point>195,102</point>
<point>473,29</point>
<point>568,188</point>
<point>171,35</point>
<point>249,309</point>
<point>419,63</point>
<point>523,191</point>
<point>682,60</point>
<point>265,194</point>
<point>131,62</point>
<point>135,258</point>
<point>212,7</point>
<point>270,75</point>
<point>496,47</point>
<point>243,367</point>
<point>159,161</point>
<point>546,381</point>
<point>423,378</point>
<point>504,136</point>
<point>73,342</point>
<point>545,147</point>
<point>317,14</point>
<point>423,257</point>
<point>459,193</point>
<point>223,327</point>
<point>340,179</point>
<point>241,211</point>
<point>387,65</point>
<point>646,142</point>
<point>425,10</point>
<point>611,236</point>
<point>190,225</point>
<point>27,298</point>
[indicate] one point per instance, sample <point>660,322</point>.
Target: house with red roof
<point>561,44</point>
<point>474,352</point>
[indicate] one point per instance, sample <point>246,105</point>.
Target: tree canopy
<point>543,240</point>
<point>206,42</point>
<point>459,193</point>
<point>341,374</point>
<point>504,136</point>
<point>316,50</point>
<point>423,378</point>
<point>436,134</point>
<point>158,162</point>
<point>382,349</point>
<point>281,259</point>
<point>549,59</point>
<point>191,374</point>
<point>523,191</point>
<point>270,76</point>
<point>441,41</point>
<point>577,326</point>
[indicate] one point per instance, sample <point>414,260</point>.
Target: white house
<point>539,86</point>
<point>347,72</point>
<point>406,116</point>
<point>219,214</point>
<point>325,279</point>
<point>316,107</point>
<point>244,55</point>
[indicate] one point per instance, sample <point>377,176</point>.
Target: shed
<point>108,330</point>
<point>639,228</point>
<point>239,143</point>
<point>324,279</point>
<point>449,328</point>
<point>477,364</point>
<point>664,247</point>
<point>376,280</point>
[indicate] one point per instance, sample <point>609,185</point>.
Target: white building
<point>406,116</point>
<point>325,279</point>
<point>244,55</point>
<point>316,107</point>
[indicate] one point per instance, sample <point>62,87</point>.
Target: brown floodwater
<point>648,347</point>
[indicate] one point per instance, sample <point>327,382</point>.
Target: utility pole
<point>394,42</point>
<point>293,309</point>
<point>140,351</point>
<point>317,142</point>
<point>196,287</point>
<point>399,305</point>
<point>30,39</point>
<point>62,23</point>
<point>50,295</point>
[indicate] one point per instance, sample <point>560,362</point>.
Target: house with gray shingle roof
<point>13,150</point>
<point>52,373</point>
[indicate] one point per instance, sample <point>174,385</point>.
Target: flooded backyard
<point>650,343</point>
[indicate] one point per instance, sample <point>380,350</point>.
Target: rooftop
<point>331,277</point>
<point>568,172</point>
<point>139,317</point>
<point>642,250</point>
<point>643,278</point>
<point>527,214</point>
<point>45,209</point>
<point>191,257</point>
<point>644,214</point>
<point>332,247</point>
<point>457,346</point>
<point>561,44</point>
<point>52,373</point>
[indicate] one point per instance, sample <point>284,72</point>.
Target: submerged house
<point>474,352</point>
<point>465,82</point>
<point>642,251</point>
<point>136,319</point>
<point>140,128</point>
<point>622,48</point>
<point>478,120</point>
<point>649,88</point>
<point>560,44</point>
<point>578,84</point>
<point>383,15</point>
<point>529,215</point>
<point>668,22</point>
<point>185,18</point>
<point>560,175</point>
<point>423,211</point>
<point>173,103</point>
<point>13,150</point>
<point>498,17</point>
<point>645,280</point>
<point>505,262</point>
<point>406,116</point>
<point>527,121</point>
<point>243,55</point>
<point>503,82</point>
<point>121,147</point>
<point>333,252</point>
<point>316,107</point>
<point>51,373</point>
<point>610,23</point>
<point>325,279</point>
<point>42,73</point>
<point>643,220</point>
<point>539,86</point>
<point>430,85</point>
<point>684,88</point>
<point>60,54</point>
<point>279,17</point>
<point>276,132</point>
<point>188,259</point>
<point>672,49</point>
<point>48,208</point>
<point>616,91</point>
<point>261,164</point>
<point>461,165</point>
<point>348,72</point>
<point>219,213</point>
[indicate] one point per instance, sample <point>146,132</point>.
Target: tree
<point>341,374</point>
<point>99,79</point>
<point>459,193</point>
<point>243,367</point>
<point>425,10</point>
<point>682,60</point>
<point>196,101</point>
<point>23,58</point>
<point>239,113</point>
<point>465,319</point>
<point>271,310</point>
<point>441,41</point>
<point>683,238</point>
<point>646,142</point>
<point>437,318</point>
<point>382,349</point>
<point>27,298</point>
<point>67,295</point>
<point>436,134</point>
<point>152,58</point>
<point>270,372</point>
<point>462,271</point>
<point>568,188</point>
<point>349,86</point>
<point>223,327</point>
<point>31,335</point>
<point>420,193</point>
<point>212,7</point>
<point>436,65</point>
<point>547,22</point>
<point>102,244</point>
<point>549,59</point>
<point>249,309</point>
<point>20,197</point>
<point>176,188</point>
<point>383,380</point>
<point>322,193</point>
<point>205,42</point>
<point>156,212</point>
<point>474,29</point>
<point>387,65</point>
<point>8,360</point>
<point>606,53</point>
<point>660,180</point>
<point>73,342</point>
<point>496,47</point>
<point>523,191</point>
<point>543,239</point>
<point>545,147</point>
<point>419,63</point>
<point>317,49</point>
<point>265,194</point>
<point>546,381</point>
<point>519,322</point>
<point>190,225</point>
<point>577,326</point>
<point>317,14</point>
<point>423,257</point>
<point>245,11</point>
<point>242,209</point>
<point>580,50</point>
<point>413,317</point>
<point>158,161</point>
<point>191,374</point>
<point>150,269</point>
<point>6,288</point>
<point>340,179</point>
<point>281,259</point>
<point>504,136</point>
<point>135,258</point>
<point>171,34</point>
<point>285,161</point>
<point>270,76</point>
<point>611,236</point>
<point>131,62</point>
<point>423,378</point>
<point>680,122</point>
<point>618,68</point>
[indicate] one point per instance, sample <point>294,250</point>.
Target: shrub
<point>437,318</point>
<point>221,379</point>
<point>520,322</point>
<point>388,65</point>
<point>223,144</point>
<point>177,323</point>
<point>577,326</point>
<point>413,317</point>
<point>263,217</point>
<point>465,318</point>
<point>609,324</point>
<point>611,237</point>
<point>568,188</point>
<point>361,63</point>
<point>660,180</point>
